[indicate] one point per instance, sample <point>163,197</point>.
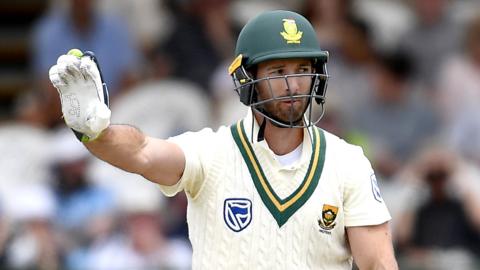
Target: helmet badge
<point>291,33</point>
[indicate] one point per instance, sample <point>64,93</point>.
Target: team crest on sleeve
<point>375,188</point>
<point>237,213</point>
<point>329,214</point>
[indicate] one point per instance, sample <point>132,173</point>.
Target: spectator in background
<point>33,244</point>
<point>80,202</point>
<point>349,38</point>
<point>440,209</point>
<point>350,70</point>
<point>202,39</point>
<point>431,40</point>
<point>139,242</point>
<point>393,120</point>
<point>328,18</point>
<point>149,20</point>
<point>442,214</point>
<point>78,24</point>
<point>459,95</point>
<point>149,246</point>
<point>176,210</point>
<point>26,204</point>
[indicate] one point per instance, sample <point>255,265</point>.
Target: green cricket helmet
<point>279,35</point>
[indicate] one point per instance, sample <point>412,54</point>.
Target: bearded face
<point>284,92</point>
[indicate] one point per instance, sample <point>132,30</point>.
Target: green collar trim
<point>282,209</point>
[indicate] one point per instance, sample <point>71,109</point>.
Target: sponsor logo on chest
<point>237,213</point>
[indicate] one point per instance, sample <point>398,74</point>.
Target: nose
<point>293,84</point>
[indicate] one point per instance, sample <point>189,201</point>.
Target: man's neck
<point>282,140</point>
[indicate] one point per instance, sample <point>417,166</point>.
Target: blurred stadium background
<point>405,84</point>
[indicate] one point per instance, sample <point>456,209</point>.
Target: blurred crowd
<point>404,84</point>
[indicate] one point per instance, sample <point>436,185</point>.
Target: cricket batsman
<point>271,191</point>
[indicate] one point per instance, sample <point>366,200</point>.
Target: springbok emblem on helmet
<point>291,33</point>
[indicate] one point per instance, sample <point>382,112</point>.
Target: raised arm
<point>84,99</point>
<point>129,149</point>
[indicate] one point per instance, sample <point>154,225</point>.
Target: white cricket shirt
<point>247,211</point>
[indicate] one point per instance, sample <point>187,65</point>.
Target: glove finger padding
<point>55,78</point>
<point>83,95</point>
<point>99,117</point>
<point>91,71</point>
<point>67,66</point>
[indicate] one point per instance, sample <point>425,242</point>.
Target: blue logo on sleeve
<point>237,213</point>
<point>375,188</point>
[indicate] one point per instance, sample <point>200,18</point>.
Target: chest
<point>291,219</point>
<point>284,200</point>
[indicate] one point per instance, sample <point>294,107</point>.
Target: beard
<point>283,111</point>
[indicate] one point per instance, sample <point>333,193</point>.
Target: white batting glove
<point>83,94</point>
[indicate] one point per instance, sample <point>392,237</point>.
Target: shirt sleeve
<point>363,203</point>
<point>195,148</point>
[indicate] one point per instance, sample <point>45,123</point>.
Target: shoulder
<point>202,138</point>
<point>206,132</point>
<point>339,147</point>
<point>348,160</point>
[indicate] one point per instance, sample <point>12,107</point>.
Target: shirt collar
<point>247,124</point>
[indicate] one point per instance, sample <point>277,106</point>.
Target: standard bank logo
<point>237,213</point>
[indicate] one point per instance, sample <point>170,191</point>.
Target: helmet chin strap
<point>261,131</point>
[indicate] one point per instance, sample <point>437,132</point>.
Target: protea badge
<point>329,213</point>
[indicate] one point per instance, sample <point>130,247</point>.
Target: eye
<point>304,70</point>
<point>276,72</point>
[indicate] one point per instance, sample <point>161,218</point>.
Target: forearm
<point>129,149</point>
<point>121,146</point>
